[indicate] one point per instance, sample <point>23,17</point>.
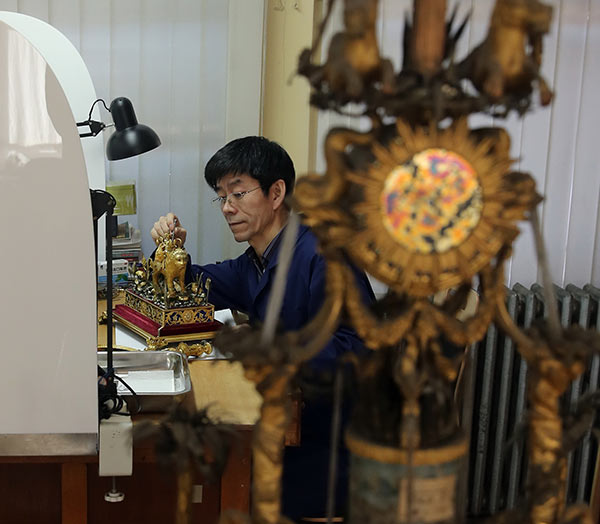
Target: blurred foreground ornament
<point>191,443</point>
<point>353,61</point>
<point>424,208</point>
<point>423,212</point>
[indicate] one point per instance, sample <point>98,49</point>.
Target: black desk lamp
<point>130,138</point>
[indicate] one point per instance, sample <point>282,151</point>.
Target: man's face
<point>249,215</point>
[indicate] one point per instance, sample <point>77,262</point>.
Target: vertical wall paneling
<point>243,78</point>
<point>465,8</point>
<point>186,183</point>
<point>154,105</point>
<point>533,158</point>
<point>125,60</point>
<point>4,83</point>
<point>37,8</point>
<point>565,120</point>
<point>244,67</point>
<point>95,48</point>
<point>392,29</point>
<point>213,230</point>
<point>65,16</point>
<point>514,126</point>
<point>9,5</point>
<point>579,256</point>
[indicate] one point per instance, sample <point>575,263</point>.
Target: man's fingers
<point>161,227</point>
<point>180,233</point>
<point>172,221</point>
<point>167,225</point>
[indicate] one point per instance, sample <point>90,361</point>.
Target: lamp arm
<point>95,126</point>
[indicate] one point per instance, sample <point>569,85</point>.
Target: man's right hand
<point>167,224</point>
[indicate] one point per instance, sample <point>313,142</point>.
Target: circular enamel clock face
<point>430,210</point>
<point>431,203</point>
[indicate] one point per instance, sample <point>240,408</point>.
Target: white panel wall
<point>179,63</point>
<point>557,145</point>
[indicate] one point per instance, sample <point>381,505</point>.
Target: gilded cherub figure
<point>508,61</point>
<point>353,59</point>
<point>200,290</point>
<point>141,274</point>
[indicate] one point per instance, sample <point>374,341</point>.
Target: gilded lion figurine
<point>170,261</point>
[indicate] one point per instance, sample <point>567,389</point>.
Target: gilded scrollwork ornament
<point>156,343</point>
<point>204,347</point>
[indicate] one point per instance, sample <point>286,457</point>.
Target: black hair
<point>256,156</point>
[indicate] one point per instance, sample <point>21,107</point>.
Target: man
<point>252,177</point>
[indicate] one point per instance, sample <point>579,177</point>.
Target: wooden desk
<point>68,490</point>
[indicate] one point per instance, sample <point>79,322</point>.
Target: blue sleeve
<point>227,289</point>
<point>345,338</point>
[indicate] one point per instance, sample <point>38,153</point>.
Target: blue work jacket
<point>236,284</point>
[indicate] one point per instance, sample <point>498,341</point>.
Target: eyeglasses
<point>232,197</point>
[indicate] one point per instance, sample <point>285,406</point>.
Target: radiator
<point>498,459</point>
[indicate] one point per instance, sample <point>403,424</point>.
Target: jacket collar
<point>273,255</point>
<point>262,262</point>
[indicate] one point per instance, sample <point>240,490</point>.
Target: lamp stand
<point>104,203</point>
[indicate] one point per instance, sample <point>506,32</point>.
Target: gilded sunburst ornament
<point>425,212</point>
<point>434,208</point>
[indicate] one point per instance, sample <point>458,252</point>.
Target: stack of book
<point>127,244</point>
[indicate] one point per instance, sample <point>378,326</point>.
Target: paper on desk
<point>126,338</point>
<point>147,382</point>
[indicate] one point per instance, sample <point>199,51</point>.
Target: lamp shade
<point>130,138</point>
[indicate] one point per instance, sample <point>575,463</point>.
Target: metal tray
<point>157,377</point>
